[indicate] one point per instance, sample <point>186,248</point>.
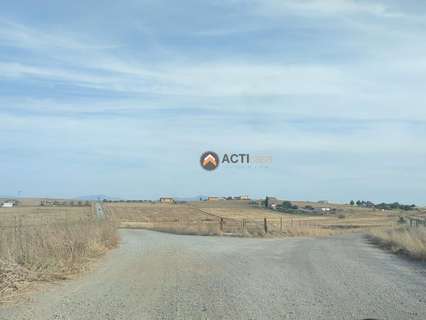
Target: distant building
<point>242,198</point>
<point>55,203</point>
<point>323,210</point>
<point>167,200</point>
<point>323,201</point>
<point>47,203</point>
<point>271,202</point>
<point>8,204</point>
<point>214,198</point>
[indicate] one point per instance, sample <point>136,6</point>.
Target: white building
<point>244,197</point>
<point>8,205</point>
<point>167,200</point>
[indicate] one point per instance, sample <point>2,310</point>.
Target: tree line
<point>383,205</point>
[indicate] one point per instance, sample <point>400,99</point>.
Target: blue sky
<point>121,98</point>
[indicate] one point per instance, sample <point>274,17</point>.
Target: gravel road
<point>162,276</point>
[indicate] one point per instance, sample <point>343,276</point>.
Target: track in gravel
<point>163,276</point>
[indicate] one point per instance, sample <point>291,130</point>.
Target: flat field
<point>241,217</point>
<point>36,215</point>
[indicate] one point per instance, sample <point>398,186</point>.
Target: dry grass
<point>242,219</point>
<point>154,212</point>
<point>409,241</point>
<point>247,212</point>
<point>188,228</point>
<point>234,227</point>
<point>43,215</point>
<point>308,231</point>
<point>31,249</point>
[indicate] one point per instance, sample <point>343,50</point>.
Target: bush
<point>51,251</point>
<point>287,205</point>
<point>410,241</point>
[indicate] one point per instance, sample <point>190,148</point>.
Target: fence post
<point>15,235</point>
<point>221,224</point>
<point>265,224</point>
<point>243,225</point>
<point>281,224</point>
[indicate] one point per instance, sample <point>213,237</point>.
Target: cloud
<point>329,7</point>
<point>15,34</point>
<point>82,63</point>
<point>202,80</point>
<point>332,89</point>
<point>91,66</point>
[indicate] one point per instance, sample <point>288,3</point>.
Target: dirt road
<point>163,276</point>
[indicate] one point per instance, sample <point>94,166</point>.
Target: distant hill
<point>94,197</point>
<point>194,198</point>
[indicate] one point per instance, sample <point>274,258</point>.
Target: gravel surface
<point>163,276</point>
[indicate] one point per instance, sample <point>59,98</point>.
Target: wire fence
<point>220,225</point>
<point>40,219</point>
<point>415,222</point>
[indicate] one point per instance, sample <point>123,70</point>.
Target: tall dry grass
<point>189,228</point>
<point>410,241</point>
<point>41,252</point>
<point>308,231</point>
<point>232,227</point>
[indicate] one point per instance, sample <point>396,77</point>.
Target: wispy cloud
<point>205,80</point>
<point>15,34</point>
<point>89,66</point>
<point>329,7</point>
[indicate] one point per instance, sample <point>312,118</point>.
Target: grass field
<point>44,243</point>
<point>36,215</point>
<point>239,217</point>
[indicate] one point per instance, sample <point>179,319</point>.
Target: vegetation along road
<point>163,276</point>
<point>99,211</point>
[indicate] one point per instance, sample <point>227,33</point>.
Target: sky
<point>122,97</point>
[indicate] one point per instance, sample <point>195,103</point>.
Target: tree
<point>352,203</point>
<point>288,205</point>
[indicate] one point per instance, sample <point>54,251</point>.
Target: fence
<point>14,219</point>
<point>415,222</point>
<point>229,226</point>
<point>264,225</point>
